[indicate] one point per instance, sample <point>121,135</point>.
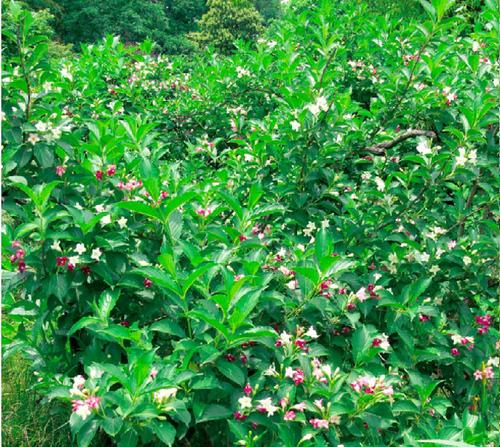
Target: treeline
<point>177,26</point>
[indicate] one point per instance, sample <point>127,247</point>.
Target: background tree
<point>225,22</point>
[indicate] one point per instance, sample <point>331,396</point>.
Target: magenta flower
<point>247,389</point>
<point>93,402</point>
<point>60,170</point>
<point>290,415</point>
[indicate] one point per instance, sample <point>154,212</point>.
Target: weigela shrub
<point>293,245</point>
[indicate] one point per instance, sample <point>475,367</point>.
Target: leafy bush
<point>293,245</point>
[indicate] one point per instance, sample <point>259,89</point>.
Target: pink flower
<point>478,374</point>
<point>290,415</point>
<point>300,343</point>
<point>319,423</point>
<point>111,170</point>
<point>301,406</point>
<point>93,402</point>
<point>488,372</point>
<point>61,261</point>
<point>239,416</point>
<point>60,170</point>
<point>247,389</point>
<point>361,294</point>
<point>325,284</point>
<point>147,283</point>
<point>452,245</point>
<point>153,373</point>
<point>455,352</point>
<point>388,391</point>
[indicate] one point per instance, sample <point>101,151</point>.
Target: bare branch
<point>380,148</point>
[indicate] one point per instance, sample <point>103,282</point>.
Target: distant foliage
<point>227,21</point>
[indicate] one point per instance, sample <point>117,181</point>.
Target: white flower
<point>475,46</point>
<point>467,260</point>
<point>56,245</point>
<point>292,285</point>
<point>434,269</point>
<point>325,224</point>
<point>245,402</point>
<point>99,208</point>
<point>424,148</point>
<point>78,206</point>
<point>361,294</point>
<point>493,361</point>
<point>385,345</point>
<point>267,405</point>
<point>242,72</point>
<point>271,371</point>
<point>78,382</point>
<point>462,157</point>
<point>380,184</point>
<point>281,252</point>
<point>95,372</point>
<point>83,411</point>
<point>311,226</point>
<point>41,126</point>
<point>106,220</point>
<point>122,222</point>
<point>295,125</point>
<point>286,338</point>
<point>422,257</point>
<point>66,74</point>
<point>33,138</point>
<point>80,249</point>
<point>74,260</point>
<point>248,157</point>
<point>393,258</point>
<point>366,176</point>
<point>311,332</point>
<point>301,247</point>
<point>96,254</point>
<point>456,338</point>
<point>322,103</point>
<point>164,394</point>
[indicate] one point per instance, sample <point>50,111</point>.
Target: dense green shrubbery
<point>294,245</point>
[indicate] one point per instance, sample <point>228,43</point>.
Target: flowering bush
<point>293,245</point>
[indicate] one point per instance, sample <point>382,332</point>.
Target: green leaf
<point>107,302</point>
<point>160,277</point>
<point>361,343</point>
<point>190,280</point>
<point>87,432</point>
<point>140,208</point>
<point>231,371</point>
<point>444,442</point>
<point>83,322</point>
<point>177,201</point>
<point>412,292</point>
<point>233,203</point>
<point>165,432</point>
<point>112,425</point>
<point>168,327</point>
<point>59,286</point>
<point>212,322</point>
<point>243,307</point>
<point>214,412</point>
